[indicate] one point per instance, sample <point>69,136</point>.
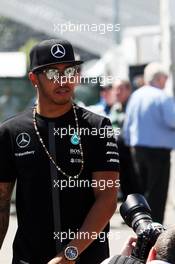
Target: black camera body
<point>136,213</point>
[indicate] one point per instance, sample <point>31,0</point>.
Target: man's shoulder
<point>147,93</point>
<point>16,120</point>
<point>140,91</point>
<point>90,117</point>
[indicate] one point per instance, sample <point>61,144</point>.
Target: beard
<point>60,95</point>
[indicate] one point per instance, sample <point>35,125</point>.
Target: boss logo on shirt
<point>23,140</point>
<point>75,160</point>
<point>75,151</point>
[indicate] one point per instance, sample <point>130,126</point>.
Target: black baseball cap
<point>52,51</point>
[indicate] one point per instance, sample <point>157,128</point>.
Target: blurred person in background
<point>107,100</point>
<point>138,81</point>
<point>149,129</point>
<point>123,91</point>
<point>113,101</point>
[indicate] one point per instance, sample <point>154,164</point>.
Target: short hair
<point>153,71</point>
<point>165,246</point>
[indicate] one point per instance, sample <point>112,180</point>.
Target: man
<point>122,90</point>
<point>149,130</point>
<point>163,252</point>
<point>107,100</point>
<point>61,204</point>
<point>164,249</point>
<point>108,97</point>
<point>117,116</point>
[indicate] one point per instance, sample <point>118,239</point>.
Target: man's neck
<point>53,111</point>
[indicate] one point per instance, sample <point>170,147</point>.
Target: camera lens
<point>136,212</point>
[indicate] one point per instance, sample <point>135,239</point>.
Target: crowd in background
<point>146,118</point>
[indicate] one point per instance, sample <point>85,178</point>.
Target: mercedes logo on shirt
<point>58,51</point>
<point>23,140</point>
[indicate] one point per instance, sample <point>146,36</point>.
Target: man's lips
<point>62,91</point>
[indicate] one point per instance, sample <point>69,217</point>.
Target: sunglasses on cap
<point>55,74</point>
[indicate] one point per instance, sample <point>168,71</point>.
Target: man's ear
<point>152,254</point>
<point>33,78</point>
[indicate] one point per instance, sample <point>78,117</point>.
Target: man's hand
<point>60,259</point>
<point>128,246</point>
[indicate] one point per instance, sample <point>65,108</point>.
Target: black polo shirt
<point>24,159</point>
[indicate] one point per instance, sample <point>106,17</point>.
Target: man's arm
<point>5,197</point>
<point>102,210</point>
<point>168,109</point>
<point>100,213</point>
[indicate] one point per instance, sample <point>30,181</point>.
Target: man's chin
<point>62,101</point>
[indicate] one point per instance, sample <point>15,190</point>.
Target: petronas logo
<point>75,139</point>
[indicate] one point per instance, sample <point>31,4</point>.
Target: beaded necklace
<point>47,152</point>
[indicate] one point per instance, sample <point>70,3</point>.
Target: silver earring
<point>36,86</point>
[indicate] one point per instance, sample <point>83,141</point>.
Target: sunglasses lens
<point>70,71</point>
<point>52,74</point>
